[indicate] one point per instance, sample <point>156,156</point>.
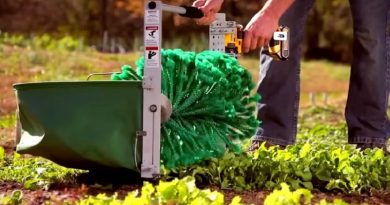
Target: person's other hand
<point>259,30</point>
<point>209,9</point>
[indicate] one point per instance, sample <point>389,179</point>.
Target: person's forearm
<point>276,8</point>
<point>264,23</point>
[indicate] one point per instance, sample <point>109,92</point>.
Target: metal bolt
<point>152,5</point>
<point>153,108</point>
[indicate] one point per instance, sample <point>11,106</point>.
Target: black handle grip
<point>192,12</point>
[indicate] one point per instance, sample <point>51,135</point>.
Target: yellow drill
<point>228,36</point>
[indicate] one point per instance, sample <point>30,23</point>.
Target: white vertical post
<point>150,166</point>
<point>325,96</point>
<point>312,97</point>
<point>217,31</point>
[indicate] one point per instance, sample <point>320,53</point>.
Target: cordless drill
<point>228,36</point>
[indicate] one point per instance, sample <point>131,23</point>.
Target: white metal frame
<point>217,31</point>
<point>150,166</point>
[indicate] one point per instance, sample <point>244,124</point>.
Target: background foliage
<point>328,32</point>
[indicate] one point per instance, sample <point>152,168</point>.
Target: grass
<point>44,65</point>
<point>318,78</point>
<point>67,58</point>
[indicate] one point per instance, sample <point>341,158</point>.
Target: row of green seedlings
<point>45,41</point>
<point>183,191</point>
<point>321,159</point>
<point>70,43</point>
<point>311,163</point>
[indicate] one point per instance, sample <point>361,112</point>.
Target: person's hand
<point>209,9</point>
<point>259,30</point>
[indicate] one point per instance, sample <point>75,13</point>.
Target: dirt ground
<point>7,106</point>
<point>7,97</point>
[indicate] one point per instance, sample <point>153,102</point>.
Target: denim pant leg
<point>370,73</point>
<point>279,83</point>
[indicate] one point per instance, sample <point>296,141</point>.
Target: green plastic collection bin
<point>85,125</point>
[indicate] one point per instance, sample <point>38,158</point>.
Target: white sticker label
<point>280,36</point>
<point>152,35</point>
<point>152,56</point>
<point>152,16</point>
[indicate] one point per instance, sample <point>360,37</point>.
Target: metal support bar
<point>173,9</point>
<point>150,166</point>
<point>185,11</point>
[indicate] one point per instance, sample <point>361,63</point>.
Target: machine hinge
<point>140,133</point>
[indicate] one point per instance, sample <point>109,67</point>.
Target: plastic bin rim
<point>56,84</point>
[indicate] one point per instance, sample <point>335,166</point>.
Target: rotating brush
<point>212,104</point>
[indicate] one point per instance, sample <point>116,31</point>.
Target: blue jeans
<point>369,82</point>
